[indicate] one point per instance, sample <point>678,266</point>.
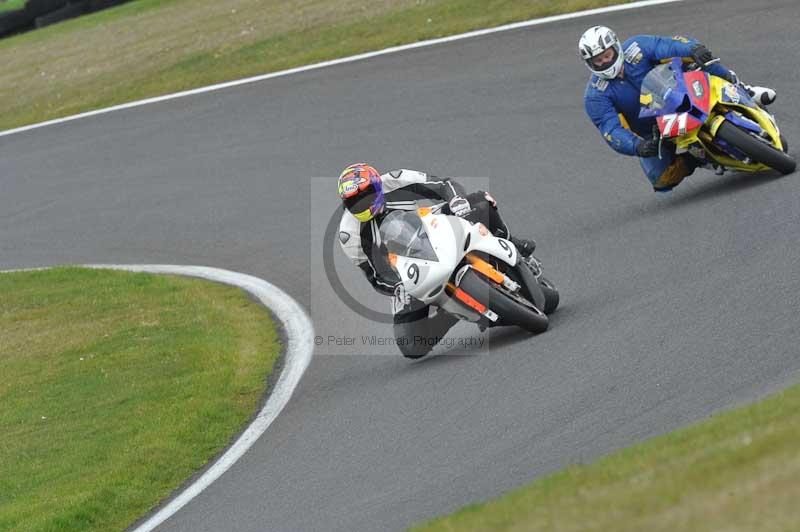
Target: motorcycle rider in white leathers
<point>367,197</point>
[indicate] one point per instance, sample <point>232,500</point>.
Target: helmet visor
<point>604,60</point>
<point>361,202</point>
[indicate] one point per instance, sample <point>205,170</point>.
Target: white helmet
<point>594,42</point>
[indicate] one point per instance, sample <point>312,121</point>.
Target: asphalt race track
<point>674,306</point>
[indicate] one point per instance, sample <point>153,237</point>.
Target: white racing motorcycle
<point>463,269</point>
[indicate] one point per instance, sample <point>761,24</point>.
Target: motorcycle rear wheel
<point>512,310</point>
<point>757,150</point>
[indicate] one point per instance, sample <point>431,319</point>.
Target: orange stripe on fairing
<point>469,301</point>
<point>485,269</point>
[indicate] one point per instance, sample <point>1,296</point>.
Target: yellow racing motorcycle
<point>706,114</point>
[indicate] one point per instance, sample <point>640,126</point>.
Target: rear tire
<point>512,310</point>
<point>755,149</point>
<point>551,297</point>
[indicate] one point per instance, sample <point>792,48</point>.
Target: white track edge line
<point>299,348</point>
<point>350,59</point>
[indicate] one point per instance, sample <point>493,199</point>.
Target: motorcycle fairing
<point>492,245</point>
<point>677,124</point>
<point>710,101</point>
<point>684,109</point>
<point>452,238</point>
<point>701,91</point>
<point>746,114</point>
<point>743,122</point>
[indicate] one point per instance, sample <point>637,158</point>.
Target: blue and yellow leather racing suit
<point>613,106</point>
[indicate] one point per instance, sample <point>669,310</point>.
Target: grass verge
<point>150,47</point>
<point>116,387</point>
<point>11,5</point>
<point>736,471</point>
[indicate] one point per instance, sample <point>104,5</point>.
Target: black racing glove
<point>381,286</point>
<point>732,77</point>
<point>647,148</point>
<point>702,56</point>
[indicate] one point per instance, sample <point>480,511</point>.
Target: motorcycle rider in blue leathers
<point>612,97</point>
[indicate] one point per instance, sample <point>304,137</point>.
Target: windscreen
<point>403,233</point>
<point>657,87</point>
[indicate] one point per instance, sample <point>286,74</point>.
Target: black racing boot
<point>525,246</point>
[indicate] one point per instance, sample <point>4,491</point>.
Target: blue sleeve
<point>604,116</point>
<point>658,48</point>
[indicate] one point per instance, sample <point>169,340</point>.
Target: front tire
<point>755,149</point>
<point>551,297</point>
<point>512,309</point>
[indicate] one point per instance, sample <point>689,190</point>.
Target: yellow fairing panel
<point>718,87</point>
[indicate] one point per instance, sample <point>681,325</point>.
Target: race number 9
<point>413,273</point>
<point>506,247</point>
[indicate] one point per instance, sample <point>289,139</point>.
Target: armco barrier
<point>97,5</point>
<point>38,13</point>
<point>71,10</point>
<point>37,8</point>
<point>14,21</point>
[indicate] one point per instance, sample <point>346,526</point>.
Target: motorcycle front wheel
<point>512,309</point>
<point>551,297</point>
<point>756,149</point>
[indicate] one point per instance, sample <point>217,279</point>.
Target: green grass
<point>11,5</point>
<point>150,47</point>
<point>115,388</point>
<point>737,471</point>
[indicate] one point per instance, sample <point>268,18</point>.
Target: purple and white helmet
<point>594,42</point>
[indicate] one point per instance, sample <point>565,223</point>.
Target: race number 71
<point>669,122</point>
